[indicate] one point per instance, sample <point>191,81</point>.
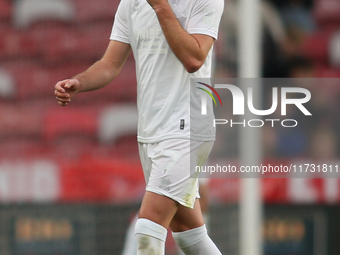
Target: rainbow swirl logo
<point>212,89</point>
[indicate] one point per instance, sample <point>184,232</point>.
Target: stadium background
<point>70,178</point>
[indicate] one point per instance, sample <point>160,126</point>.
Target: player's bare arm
<point>97,76</point>
<point>190,49</point>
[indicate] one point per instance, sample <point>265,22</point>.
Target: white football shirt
<point>164,92</point>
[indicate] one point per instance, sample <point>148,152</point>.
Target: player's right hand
<point>65,90</point>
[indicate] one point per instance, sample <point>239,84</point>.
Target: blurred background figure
<point>274,37</point>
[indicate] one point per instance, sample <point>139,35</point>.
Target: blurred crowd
<point>43,41</point>
<point>300,39</point>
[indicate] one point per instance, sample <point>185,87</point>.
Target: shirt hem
<point>167,194</point>
<point>185,137</point>
<point>203,32</point>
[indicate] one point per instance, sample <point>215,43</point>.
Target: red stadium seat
<point>21,120</point>
<point>98,36</point>
<point>16,44</point>
<point>61,44</point>
<point>326,13</point>
<point>34,81</point>
<point>102,179</point>
<point>81,43</point>
<point>89,10</point>
<point>316,46</point>
<point>71,147</point>
<point>327,72</point>
<point>61,122</point>
<point>23,148</point>
<point>31,43</point>
<point>5,9</point>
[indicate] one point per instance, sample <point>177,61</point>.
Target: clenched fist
<point>65,90</point>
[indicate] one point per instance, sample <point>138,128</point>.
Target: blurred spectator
<point>316,136</point>
<point>284,35</point>
<point>296,16</point>
<point>298,24</point>
<point>274,38</point>
<point>279,3</point>
<point>324,143</point>
<point>290,142</point>
<point>300,67</point>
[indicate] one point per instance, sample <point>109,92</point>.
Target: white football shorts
<point>166,167</point>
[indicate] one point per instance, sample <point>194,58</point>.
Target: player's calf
<point>150,237</point>
<point>196,242</point>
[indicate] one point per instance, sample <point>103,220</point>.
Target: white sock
<point>206,221</point>
<point>150,237</point>
<point>196,242</point>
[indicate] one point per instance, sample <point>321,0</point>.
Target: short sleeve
<point>205,17</point>
<point>120,30</point>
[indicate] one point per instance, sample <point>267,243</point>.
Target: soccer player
<point>171,41</point>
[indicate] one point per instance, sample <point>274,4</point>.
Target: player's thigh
<point>171,175</point>
<point>169,182</point>
<point>158,208</point>
<point>187,218</point>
